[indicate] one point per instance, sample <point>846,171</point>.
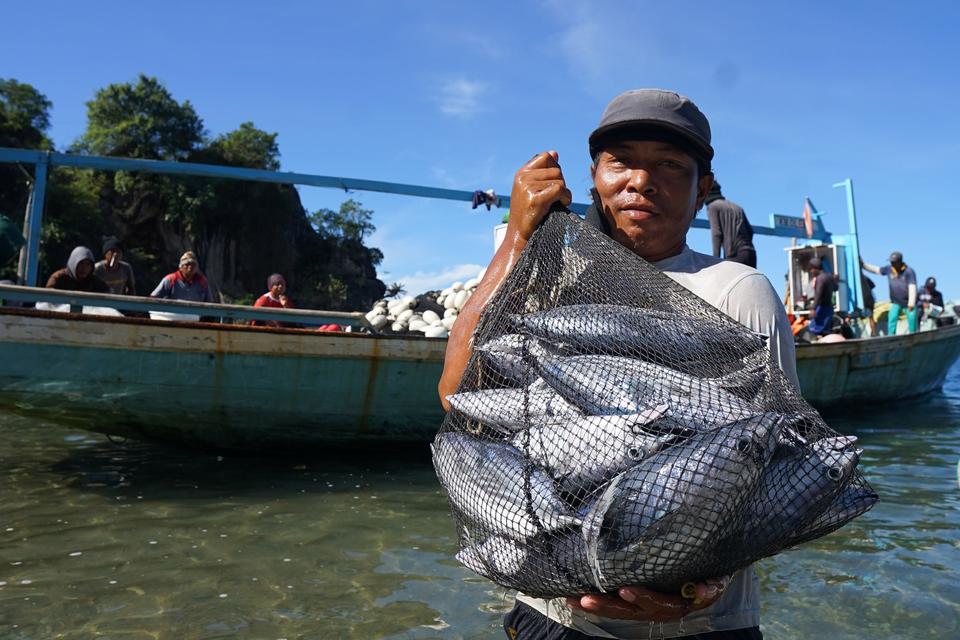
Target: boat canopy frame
<point>44,160</point>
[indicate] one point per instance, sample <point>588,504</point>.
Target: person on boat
<point>78,274</point>
<point>903,291</point>
<point>931,302</point>
<point>114,271</point>
<point>275,298</point>
<point>730,229</point>
<point>650,164</point>
<point>186,283</point>
<point>821,323</point>
<point>867,285</point>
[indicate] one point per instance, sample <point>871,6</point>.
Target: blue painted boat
<point>219,385</point>
<point>876,370</point>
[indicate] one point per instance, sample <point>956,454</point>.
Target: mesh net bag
<point>612,429</point>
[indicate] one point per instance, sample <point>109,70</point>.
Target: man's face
<point>278,288</point>
<point>84,269</point>
<point>188,269</point>
<point>651,192</point>
<point>110,253</point>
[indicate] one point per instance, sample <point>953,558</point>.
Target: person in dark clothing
<point>730,229</point>
<point>903,291</point>
<point>823,288</point>
<point>78,274</point>
<point>931,300</point>
<point>867,285</point>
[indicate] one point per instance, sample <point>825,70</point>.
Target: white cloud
<point>461,98</point>
<point>422,281</point>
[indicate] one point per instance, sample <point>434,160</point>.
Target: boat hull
<point>220,386</point>
<point>876,370</point>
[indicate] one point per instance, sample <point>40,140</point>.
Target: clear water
<point>134,541</point>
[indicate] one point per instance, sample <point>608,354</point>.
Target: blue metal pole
<point>37,196</point>
<point>853,262</point>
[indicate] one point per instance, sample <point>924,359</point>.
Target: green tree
<point>24,116</point>
<point>350,222</point>
<point>141,120</point>
<point>248,147</point>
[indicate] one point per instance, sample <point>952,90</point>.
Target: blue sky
<point>799,95</point>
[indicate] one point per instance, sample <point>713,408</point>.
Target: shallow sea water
<point>133,540</point>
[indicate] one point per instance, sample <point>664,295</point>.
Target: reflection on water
<point>139,541</point>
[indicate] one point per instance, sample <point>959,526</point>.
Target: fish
<point>504,355</point>
<point>656,523</point>
<point>495,487</point>
<point>614,385</point>
<point>582,452</point>
<point>853,501</point>
<point>545,566</point>
<point>796,486</point>
<point>510,410</point>
<point>619,329</point>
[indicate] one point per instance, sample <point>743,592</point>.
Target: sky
<point>799,96</point>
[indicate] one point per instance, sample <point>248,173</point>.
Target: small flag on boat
<point>808,212</point>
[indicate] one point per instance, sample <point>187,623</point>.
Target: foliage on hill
<point>241,231</point>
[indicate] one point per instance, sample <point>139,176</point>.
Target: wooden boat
<point>877,370</point>
<point>219,385</point>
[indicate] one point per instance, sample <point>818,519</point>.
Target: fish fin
<point>745,383</point>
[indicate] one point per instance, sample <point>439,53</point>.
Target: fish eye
<point>835,474</point>
<point>635,453</point>
<point>744,446</point>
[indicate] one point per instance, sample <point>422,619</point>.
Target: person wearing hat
<point>186,283</point>
<point>651,168</point>
<point>114,271</point>
<point>78,274</point>
<point>275,297</point>
<point>903,291</point>
<point>931,303</point>
<point>730,229</point>
<point>821,323</point>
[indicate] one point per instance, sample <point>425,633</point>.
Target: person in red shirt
<point>275,297</point>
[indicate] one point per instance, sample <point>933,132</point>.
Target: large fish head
<point>753,440</point>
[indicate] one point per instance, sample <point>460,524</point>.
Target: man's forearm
<point>872,268</point>
<point>460,344</point>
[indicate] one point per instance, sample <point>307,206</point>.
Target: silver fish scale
<point>613,385</point>
<point>508,496</point>
<point>607,328</point>
<point>694,488</point>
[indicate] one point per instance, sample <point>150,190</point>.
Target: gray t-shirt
<point>900,282</point>
<point>744,294</point>
<point>119,280</point>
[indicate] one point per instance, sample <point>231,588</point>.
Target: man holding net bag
<point>651,168</point>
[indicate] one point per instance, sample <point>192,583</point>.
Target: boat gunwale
<point>875,344</point>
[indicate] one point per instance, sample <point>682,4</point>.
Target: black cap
<point>931,283</point>
<point>815,263</point>
<point>112,244</point>
<point>657,109</point>
<point>896,256</point>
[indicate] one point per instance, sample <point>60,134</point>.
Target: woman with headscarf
<point>275,297</point>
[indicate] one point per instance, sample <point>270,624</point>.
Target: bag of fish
<point>613,429</point>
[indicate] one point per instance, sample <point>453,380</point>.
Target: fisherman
<point>903,291</point>
<point>274,298</point>
<point>186,283</point>
<point>823,287</point>
<point>114,271</point>
<point>78,274</point>
<point>651,173</point>
<point>730,229</point>
<point>931,302</point>
<point>867,286</point>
